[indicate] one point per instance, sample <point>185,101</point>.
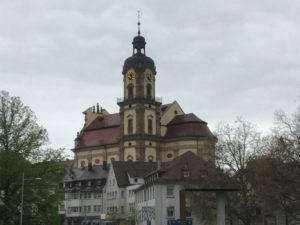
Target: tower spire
<point>139,23</point>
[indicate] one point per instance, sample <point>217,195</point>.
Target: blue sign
<point>177,222</point>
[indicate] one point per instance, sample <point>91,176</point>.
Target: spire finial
<point>139,23</point>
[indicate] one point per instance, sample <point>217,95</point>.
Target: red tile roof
<point>99,137</point>
<point>187,125</point>
<point>103,130</point>
<point>104,121</point>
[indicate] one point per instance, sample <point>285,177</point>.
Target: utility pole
<point>22,197</point>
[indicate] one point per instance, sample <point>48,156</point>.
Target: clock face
<point>149,76</point>
<point>130,76</point>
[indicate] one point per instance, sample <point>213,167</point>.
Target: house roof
<point>187,161</point>
<point>187,125</point>
<point>134,169</point>
<point>79,174</point>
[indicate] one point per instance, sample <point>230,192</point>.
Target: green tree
<point>22,143</point>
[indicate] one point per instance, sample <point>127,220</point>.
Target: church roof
<point>104,130</point>
<point>105,121</point>
<point>187,125</point>
<point>134,169</point>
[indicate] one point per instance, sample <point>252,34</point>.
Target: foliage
<point>21,150</point>
<point>236,146</point>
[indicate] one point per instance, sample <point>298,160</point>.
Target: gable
<point>171,111</point>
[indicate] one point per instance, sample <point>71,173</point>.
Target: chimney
<point>104,165</point>
<point>98,111</point>
<point>158,164</point>
<point>90,168</point>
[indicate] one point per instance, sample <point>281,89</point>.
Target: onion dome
<point>139,60</point>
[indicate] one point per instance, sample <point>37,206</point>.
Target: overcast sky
<point>219,59</point>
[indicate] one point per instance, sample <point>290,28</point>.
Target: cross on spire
<point>139,23</point>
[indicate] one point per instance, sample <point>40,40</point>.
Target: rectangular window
<point>170,211</point>
<point>122,194</point>
<point>170,191</point>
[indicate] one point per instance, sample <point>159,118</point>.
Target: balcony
<point>121,99</point>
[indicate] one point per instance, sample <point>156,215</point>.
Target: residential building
<point>84,202</point>
<point>157,201</point>
<point>122,180</point>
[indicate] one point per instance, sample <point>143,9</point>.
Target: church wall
<point>150,153</point>
<point>96,155</point>
<point>130,154</point>
<point>169,115</point>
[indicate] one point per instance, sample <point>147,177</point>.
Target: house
<point>122,180</point>
<point>157,201</point>
<point>84,202</point>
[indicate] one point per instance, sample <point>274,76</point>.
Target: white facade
<point>120,201</point>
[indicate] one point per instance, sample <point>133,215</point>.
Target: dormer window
<point>186,173</point>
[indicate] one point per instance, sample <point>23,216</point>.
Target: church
<point>144,129</point>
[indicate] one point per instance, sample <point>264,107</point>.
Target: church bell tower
<point>139,109</point>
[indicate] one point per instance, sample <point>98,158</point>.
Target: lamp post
<point>22,198</point>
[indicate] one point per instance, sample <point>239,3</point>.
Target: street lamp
<point>22,198</point>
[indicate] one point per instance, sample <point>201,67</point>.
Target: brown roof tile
<point>104,121</point>
<point>187,125</point>
<point>98,137</point>
<point>134,169</point>
<point>187,161</point>
<point>105,129</point>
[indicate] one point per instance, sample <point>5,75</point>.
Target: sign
<point>103,216</point>
<point>177,222</point>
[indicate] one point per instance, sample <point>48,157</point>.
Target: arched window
<point>149,90</point>
<point>150,158</point>
<point>130,91</point>
<point>130,158</point>
<point>130,126</point>
<point>150,127</point>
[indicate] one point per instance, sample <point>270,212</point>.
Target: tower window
<point>130,91</point>
<point>150,158</point>
<point>149,89</point>
<point>130,158</point>
<point>130,126</point>
<point>150,126</point>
